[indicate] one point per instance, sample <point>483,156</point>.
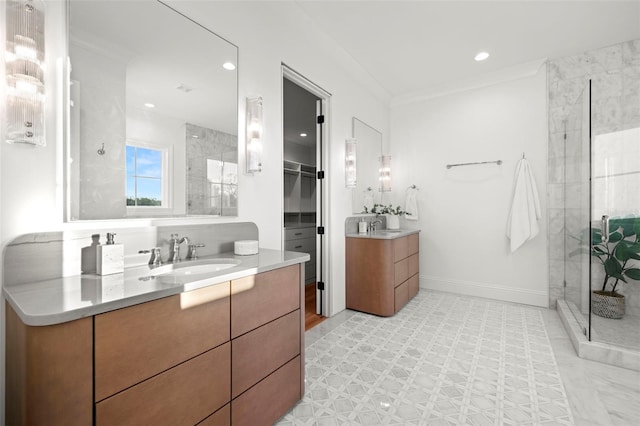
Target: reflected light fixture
<point>229,66</point>
<point>350,169</point>
<point>385,173</point>
<point>253,145</point>
<point>24,62</point>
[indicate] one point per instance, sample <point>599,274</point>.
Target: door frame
<point>323,268</point>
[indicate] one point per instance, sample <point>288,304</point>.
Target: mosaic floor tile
<point>443,360</point>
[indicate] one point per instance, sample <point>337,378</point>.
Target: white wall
<point>464,210</point>
<point>267,34</point>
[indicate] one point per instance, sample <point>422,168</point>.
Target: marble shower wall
<point>207,196</point>
<point>615,103</point>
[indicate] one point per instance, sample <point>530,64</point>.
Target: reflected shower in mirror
<point>368,152</point>
<point>152,114</point>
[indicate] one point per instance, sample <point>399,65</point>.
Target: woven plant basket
<point>606,304</point>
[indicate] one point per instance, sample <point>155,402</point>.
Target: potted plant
<point>618,256</point>
<point>392,214</point>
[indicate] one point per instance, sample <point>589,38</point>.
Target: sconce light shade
<point>253,148</point>
<point>385,173</point>
<point>350,169</point>
<point>24,61</point>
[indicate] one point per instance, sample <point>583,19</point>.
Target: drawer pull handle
<point>298,246</point>
<point>298,233</point>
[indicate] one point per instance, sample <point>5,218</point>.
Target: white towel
<point>411,204</point>
<point>525,208</point>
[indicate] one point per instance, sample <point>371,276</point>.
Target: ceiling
<point>412,46</point>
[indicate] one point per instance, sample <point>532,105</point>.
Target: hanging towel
<point>522,224</point>
<point>411,204</point>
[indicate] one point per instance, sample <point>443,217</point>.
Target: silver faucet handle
<point>192,253</point>
<point>155,258</point>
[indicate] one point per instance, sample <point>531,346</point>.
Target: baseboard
<point>491,291</point>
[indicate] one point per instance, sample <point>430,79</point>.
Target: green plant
<point>615,255</point>
<point>382,209</point>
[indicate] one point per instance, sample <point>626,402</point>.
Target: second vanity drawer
<point>277,343</point>
<point>183,395</point>
<point>135,343</point>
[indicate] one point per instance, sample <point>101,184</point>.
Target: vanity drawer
<point>414,264</point>
<point>135,343</point>
<point>405,246</point>
<point>276,343</point>
<point>401,271</point>
<point>183,395</point>
<point>299,233</point>
<point>414,285</point>
<point>269,399</point>
<point>401,295</point>
<point>306,245</point>
<point>258,299</point>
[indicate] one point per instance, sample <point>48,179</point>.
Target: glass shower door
<point>615,216</point>
<point>576,206</point>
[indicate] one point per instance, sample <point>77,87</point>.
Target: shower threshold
<point>595,351</point>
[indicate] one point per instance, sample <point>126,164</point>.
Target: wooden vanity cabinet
<point>230,353</point>
<point>49,372</point>
<point>382,275</point>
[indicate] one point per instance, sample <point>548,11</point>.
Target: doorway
<point>304,186</point>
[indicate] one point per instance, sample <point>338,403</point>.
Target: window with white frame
<point>147,183</point>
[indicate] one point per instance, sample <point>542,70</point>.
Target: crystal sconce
<point>254,135</point>
<point>385,173</point>
<point>350,163</point>
<point>24,61</point>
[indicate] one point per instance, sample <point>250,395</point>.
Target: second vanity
<point>382,270</point>
<point>217,348</point>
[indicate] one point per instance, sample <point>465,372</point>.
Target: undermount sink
<point>195,268</point>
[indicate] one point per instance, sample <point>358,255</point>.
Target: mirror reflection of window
<point>223,183</point>
<point>146,180</point>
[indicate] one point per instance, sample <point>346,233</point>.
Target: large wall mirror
<point>368,152</point>
<point>152,114</point>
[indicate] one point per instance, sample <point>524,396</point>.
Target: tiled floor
<point>455,360</point>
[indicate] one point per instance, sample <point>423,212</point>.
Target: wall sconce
<point>254,135</point>
<point>385,173</point>
<point>24,61</point>
<point>350,163</point>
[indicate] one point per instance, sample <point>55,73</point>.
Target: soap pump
<point>110,257</point>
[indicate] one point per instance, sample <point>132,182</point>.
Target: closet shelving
<point>299,194</point>
<point>300,212</point>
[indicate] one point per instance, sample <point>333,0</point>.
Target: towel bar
<point>498,162</point>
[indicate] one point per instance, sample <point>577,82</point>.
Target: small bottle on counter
<point>362,226</point>
<point>110,257</point>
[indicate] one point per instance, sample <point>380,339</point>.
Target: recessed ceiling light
<point>195,136</point>
<point>229,66</point>
<point>481,56</point>
<point>304,135</point>
<point>149,105</point>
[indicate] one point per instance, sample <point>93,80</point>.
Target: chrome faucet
<point>174,247</point>
<point>373,223</point>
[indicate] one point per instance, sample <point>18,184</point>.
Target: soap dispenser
<point>110,257</point>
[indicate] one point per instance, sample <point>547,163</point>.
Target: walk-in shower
<point>597,162</point>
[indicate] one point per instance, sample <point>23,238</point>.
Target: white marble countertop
<point>69,298</point>
<point>384,234</point>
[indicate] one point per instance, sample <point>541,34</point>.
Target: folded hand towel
<point>522,224</point>
<point>411,204</point>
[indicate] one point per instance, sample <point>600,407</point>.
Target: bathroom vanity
<point>382,270</point>
<point>216,348</point>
